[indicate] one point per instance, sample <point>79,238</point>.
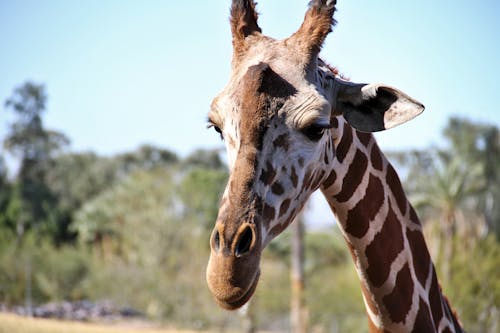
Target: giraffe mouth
<point>238,301</point>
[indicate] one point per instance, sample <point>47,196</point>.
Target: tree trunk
<point>448,240</point>
<point>248,318</point>
<point>298,312</point>
<point>27,288</point>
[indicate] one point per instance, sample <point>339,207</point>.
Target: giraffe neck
<point>398,279</point>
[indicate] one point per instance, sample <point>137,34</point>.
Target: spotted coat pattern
<point>398,278</point>
<point>283,118</point>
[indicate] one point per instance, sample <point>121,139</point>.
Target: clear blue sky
<point>123,73</point>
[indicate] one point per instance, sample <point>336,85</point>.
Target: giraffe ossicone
<point>292,126</point>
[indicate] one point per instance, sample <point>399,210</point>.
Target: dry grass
<point>10,323</point>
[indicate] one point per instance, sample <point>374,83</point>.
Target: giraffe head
<point>276,117</point>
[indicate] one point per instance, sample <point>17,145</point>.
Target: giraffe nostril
<point>244,243</point>
<point>216,241</point>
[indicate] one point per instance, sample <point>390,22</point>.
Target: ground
<point>10,323</point>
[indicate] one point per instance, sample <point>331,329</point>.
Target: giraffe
<point>292,125</point>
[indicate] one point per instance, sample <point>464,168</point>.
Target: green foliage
<point>11,270</point>
<point>27,137</point>
<point>118,214</point>
<point>5,195</point>
<point>53,273</point>
<point>205,159</point>
<point>34,145</point>
<point>480,144</point>
<point>475,285</point>
<point>200,191</point>
<point>332,286</point>
<point>325,249</point>
<point>335,301</point>
<point>153,247</point>
<point>77,177</point>
<point>333,296</point>
<point>58,273</point>
<point>146,157</point>
<point>272,297</point>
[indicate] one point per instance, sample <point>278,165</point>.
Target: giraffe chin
<point>238,301</point>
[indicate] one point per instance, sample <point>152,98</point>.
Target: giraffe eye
<point>216,128</point>
<point>315,132</point>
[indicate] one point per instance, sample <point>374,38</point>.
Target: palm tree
<point>478,142</point>
<point>450,190</point>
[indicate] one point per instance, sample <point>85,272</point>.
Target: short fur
<point>291,127</point>
<point>318,22</point>
<point>243,23</point>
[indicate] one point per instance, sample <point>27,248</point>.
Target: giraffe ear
<point>243,23</point>
<point>373,107</point>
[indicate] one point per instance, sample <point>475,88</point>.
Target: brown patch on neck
<point>359,217</point>
<point>436,299</point>
<point>413,216</point>
<point>376,157</point>
<point>364,138</point>
<point>329,180</point>
<point>384,249</point>
<point>353,177</point>
<point>398,302</point>
<point>423,322</point>
<point>345,143</point>
<point>420,255</point>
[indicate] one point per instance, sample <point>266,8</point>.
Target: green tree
<point>475,284</point>
<point>141,230</point>
<point>29,141</point>
<point>5,195</point>
<point>76,178</point>
<point>27,137</point>
<point>452,189</point>
<point>206,159</point>
<point>480,143</point>
<point>200,191</point>
<point>146,157</point>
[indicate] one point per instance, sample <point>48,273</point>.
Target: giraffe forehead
<point>284,61</point>
<point>258,97</point>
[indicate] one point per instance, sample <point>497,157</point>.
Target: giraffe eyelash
<point>315,131</point>
<point>211,124</point>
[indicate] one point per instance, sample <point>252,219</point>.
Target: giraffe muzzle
<point>233,268</point>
